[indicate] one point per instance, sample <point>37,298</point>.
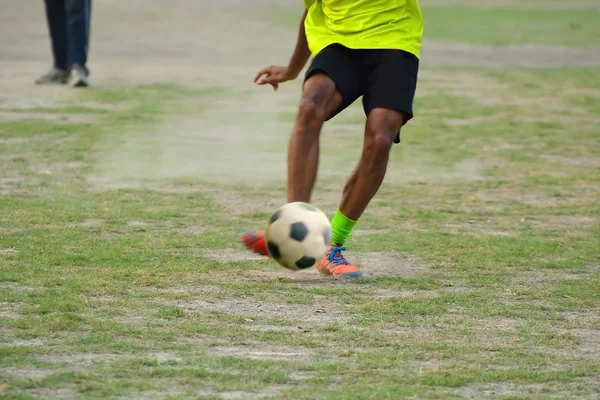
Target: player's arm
<point>274,75</point>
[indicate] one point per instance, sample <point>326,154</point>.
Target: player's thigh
<point>391,85</point>
<point>345,81</point>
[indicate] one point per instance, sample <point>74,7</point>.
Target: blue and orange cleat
<point>334,263</point>
<point>255,241</point>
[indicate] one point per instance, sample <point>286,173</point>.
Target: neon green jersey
<point>364,24</point>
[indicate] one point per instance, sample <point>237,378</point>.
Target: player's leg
<point>392,77</point>
<point>381,129</point>
<point>383,124</point>
<point>332,83</point>
<point>78,14</point>
<point>303,153</point>
<point>319,99</point>
<point>55,16</point>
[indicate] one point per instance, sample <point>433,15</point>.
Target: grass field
<point>122,277</point>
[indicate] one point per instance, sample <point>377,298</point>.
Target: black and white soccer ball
<point>298,235</point>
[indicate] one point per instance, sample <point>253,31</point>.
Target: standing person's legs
<point>57,27</point>
<point>78,17</point>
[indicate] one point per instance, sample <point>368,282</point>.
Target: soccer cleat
<point>334,263</point>
<point>55,76</point>
<point>255,241</point>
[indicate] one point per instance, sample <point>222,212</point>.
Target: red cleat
<point>255,241</point>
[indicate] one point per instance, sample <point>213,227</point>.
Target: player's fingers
<point>271,79</point>
<point>264,71</point>
<point>261,80</point>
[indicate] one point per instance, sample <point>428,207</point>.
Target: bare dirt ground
<point>199,43</point>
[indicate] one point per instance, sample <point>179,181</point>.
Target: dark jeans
<point>69,25</point>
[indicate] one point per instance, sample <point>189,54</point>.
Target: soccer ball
<point>297,235</point>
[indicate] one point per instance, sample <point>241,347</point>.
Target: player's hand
<point>273,75</point>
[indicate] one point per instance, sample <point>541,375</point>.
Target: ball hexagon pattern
<point>297,235</point>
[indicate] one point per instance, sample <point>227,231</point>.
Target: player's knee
<point>378,141</point>
<point>311,109</point>
<point>317,92</point>
<point>382,128</point>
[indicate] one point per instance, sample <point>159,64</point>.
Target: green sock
<point>341,228</point>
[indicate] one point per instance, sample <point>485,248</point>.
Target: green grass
<point>513,26</point>
<point>481,249</point>
<point>105,294</point>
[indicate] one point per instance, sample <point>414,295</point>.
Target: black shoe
<point>55,76</point>
<point>78,76</point>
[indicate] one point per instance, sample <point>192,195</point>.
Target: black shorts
<point>385,78</point>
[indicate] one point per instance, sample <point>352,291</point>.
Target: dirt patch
<point>17,287</point>
<point>88,223</point>
<point>583,319</point>
<point>539,277</point>
<point>57,168</point>
<point>28,342</point>
<point>225,256</point>
<point>392,264</point>
<point>13,140</point>
<point>165,393</point>
<point>279,274</point>
<point>26,373</point>
<point>475,228</point>
<point>137,223</point>
<point>11,250</point>
<point>205,290</point>
<point>238,204</point>
<point>589,342</point>
<point>47,116</point>
<point>86,359</point>
<point>563,222</point>
<point>104,183</point>
<point>497,331</point>
<point>262,352</point>
<point>538,199</point>
<point>466,170</point>
<point>323,311</point>
<point>81,359</point>
<point>10,185</point>
<point>392,293</point>
<point>9,310</point>
<point>132,319</point>
<point>573,161</point>
<point>58,394</point>
<point>193,230</point>
<point>580,388</point>
<point>269,391</point>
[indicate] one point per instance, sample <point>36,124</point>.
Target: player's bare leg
<point>380,131</point>
<point>319,99</point>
